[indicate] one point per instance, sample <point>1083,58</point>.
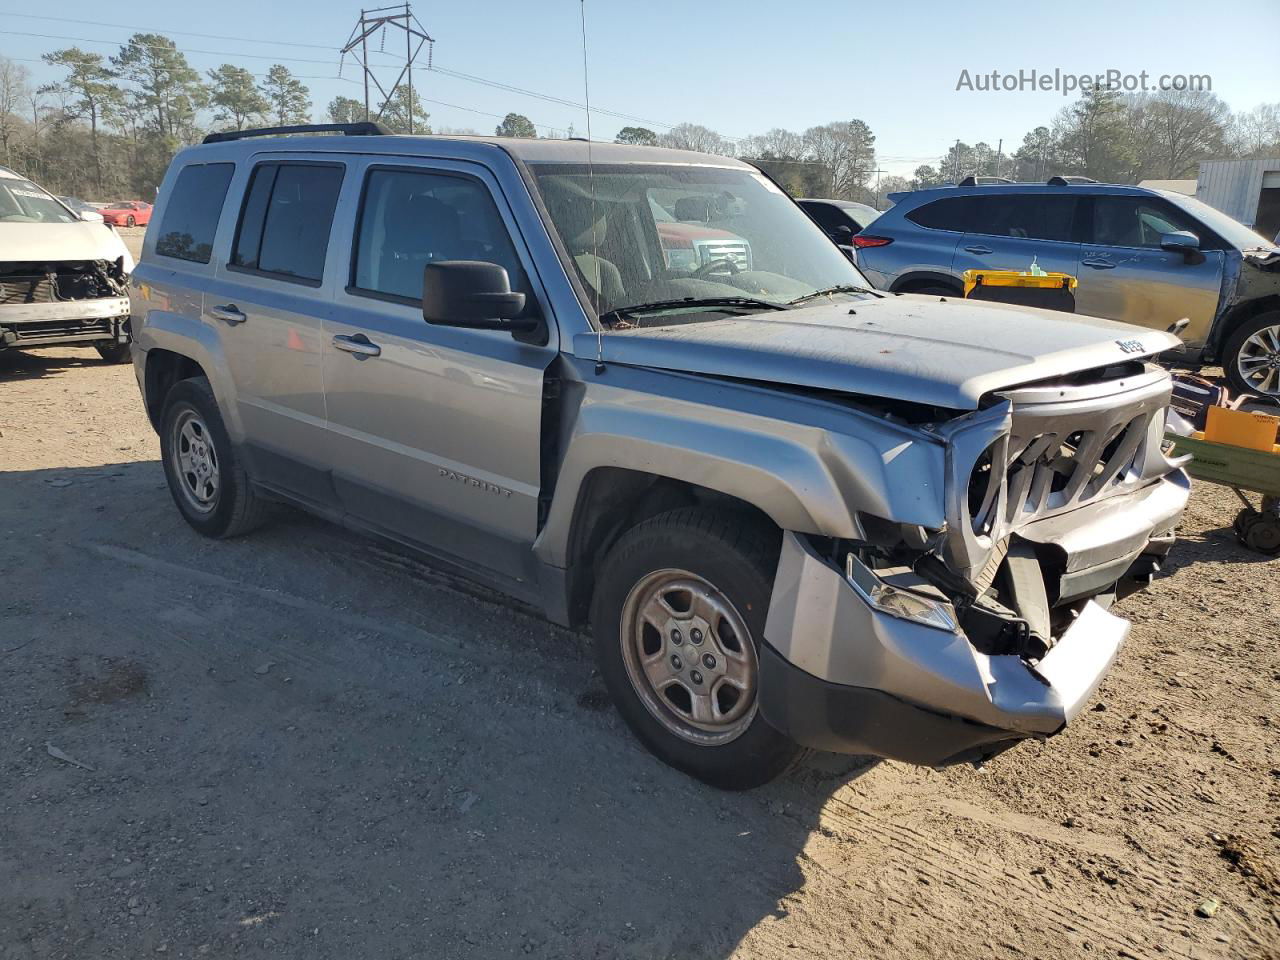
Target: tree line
<point>109,127</point>
<point>1117,138</point>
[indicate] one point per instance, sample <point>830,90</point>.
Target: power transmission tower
<point>371,21</point>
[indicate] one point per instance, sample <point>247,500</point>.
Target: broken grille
<point>1054,470</point>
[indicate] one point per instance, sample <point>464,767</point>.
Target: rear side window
<point>285,221</point>
<point>1024,216</point>
<point>410,218</point>
<point>192,210</point>
<point>949,213</point>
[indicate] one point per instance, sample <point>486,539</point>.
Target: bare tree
<point>1173,130</point>
<point>1256,133</point>
<point>693,136</point>
<point>15,86</point>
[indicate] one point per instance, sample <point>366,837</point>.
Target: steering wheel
<point>712,267</point>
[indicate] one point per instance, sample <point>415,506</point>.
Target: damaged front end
<point>941,645</point>
<point>62,303</point>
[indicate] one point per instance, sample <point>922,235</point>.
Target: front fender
<point>812,466</point>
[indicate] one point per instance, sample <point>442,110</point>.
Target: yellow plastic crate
<point>1012,278</point>
<point>1254,431</point>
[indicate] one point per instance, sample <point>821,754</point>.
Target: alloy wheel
<point>1258,360</point>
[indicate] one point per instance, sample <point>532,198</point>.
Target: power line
<point>184,33</point>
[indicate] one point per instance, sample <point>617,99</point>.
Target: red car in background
<point>127,213</point>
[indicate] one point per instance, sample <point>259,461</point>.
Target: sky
<point>739,68</point>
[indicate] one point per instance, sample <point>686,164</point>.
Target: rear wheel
<point>1251,357</point>
<point>113,352</point>
<point>206,478</point>
<point>678,613</point>
<point>935,290</point>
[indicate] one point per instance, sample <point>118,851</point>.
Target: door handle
<point>228,312</point>
<point>1099,263</point>
<point>978,249</point>
<point>359,345</point>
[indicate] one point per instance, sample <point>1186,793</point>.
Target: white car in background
<point>63,274</point>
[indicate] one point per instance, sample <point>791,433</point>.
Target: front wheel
<point>129,221</point>
<point>113,352</point>
<point>678,614</point>
<point>1251,357</point>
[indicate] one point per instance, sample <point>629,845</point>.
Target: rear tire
<point>716,569</point>
<point>114,352</point>
<point>1256,344</point>
<point>935,290</point>
<point>206,477</point>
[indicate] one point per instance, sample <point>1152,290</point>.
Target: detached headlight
<point>898,602</point>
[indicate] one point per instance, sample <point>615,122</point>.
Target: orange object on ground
<point>1256,431</point>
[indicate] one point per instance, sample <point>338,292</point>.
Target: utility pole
<point>877,172</point>
<point>999,151</point>
<point>371,21</point>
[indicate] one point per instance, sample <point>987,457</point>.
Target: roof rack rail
<point>365,128</point>
<point>975,181</point>
<point>1068,181</point>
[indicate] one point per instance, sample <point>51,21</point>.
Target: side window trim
<point>277,163</point>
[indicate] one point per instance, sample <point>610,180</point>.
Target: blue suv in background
<point>1148,257</point>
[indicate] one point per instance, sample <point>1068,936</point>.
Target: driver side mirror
<point>1183,242</point>
<point>473,294</point>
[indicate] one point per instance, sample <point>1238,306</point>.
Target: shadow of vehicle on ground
<point>24,365</point>
<point>303,744</point>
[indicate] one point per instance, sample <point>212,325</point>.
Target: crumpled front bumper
<point>840,675</point>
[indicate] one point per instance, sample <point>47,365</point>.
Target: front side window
<point>641,234</point>
<point>410,218</point>
<point>1134,222</point>
<point>21,201</point>
<point>285,223</point>
<point>192,210</point>
<point>1024,216</point>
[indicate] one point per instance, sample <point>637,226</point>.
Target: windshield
<point>658,233</point>
<point>1231,230</point>
<point>21,201</point>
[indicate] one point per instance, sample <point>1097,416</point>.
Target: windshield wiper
<point>747,303</point>
<point>839,288</point>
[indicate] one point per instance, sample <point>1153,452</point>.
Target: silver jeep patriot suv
<point>795,512</point>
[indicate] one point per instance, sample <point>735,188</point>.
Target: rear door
<point>1010,231</point>
<point>1125,275</point>
<point>435,432</point>
<point>267,304</point>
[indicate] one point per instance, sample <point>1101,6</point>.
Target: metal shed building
<point>1248,190</point>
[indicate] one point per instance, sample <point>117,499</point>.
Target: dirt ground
<point>304,745</point>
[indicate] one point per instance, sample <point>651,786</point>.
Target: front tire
<point>206,477</point>
<point>1251,357</point>
<point>129,221</point>
<point>113,352</point>
<point>678,615</point>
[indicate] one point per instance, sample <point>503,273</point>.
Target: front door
<point>1125,275</point>
<point>1012,231</point>
<point>434,432</point>
<point>266,301</point>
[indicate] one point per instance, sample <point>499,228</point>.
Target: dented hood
<point>947,353</point>
<point>53,242</point>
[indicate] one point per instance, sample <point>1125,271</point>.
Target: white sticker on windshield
<point>27,193</point>
<point>765,182</point>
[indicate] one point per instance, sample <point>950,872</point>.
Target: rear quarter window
<point>949,213</point>
<point>192,210</point>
